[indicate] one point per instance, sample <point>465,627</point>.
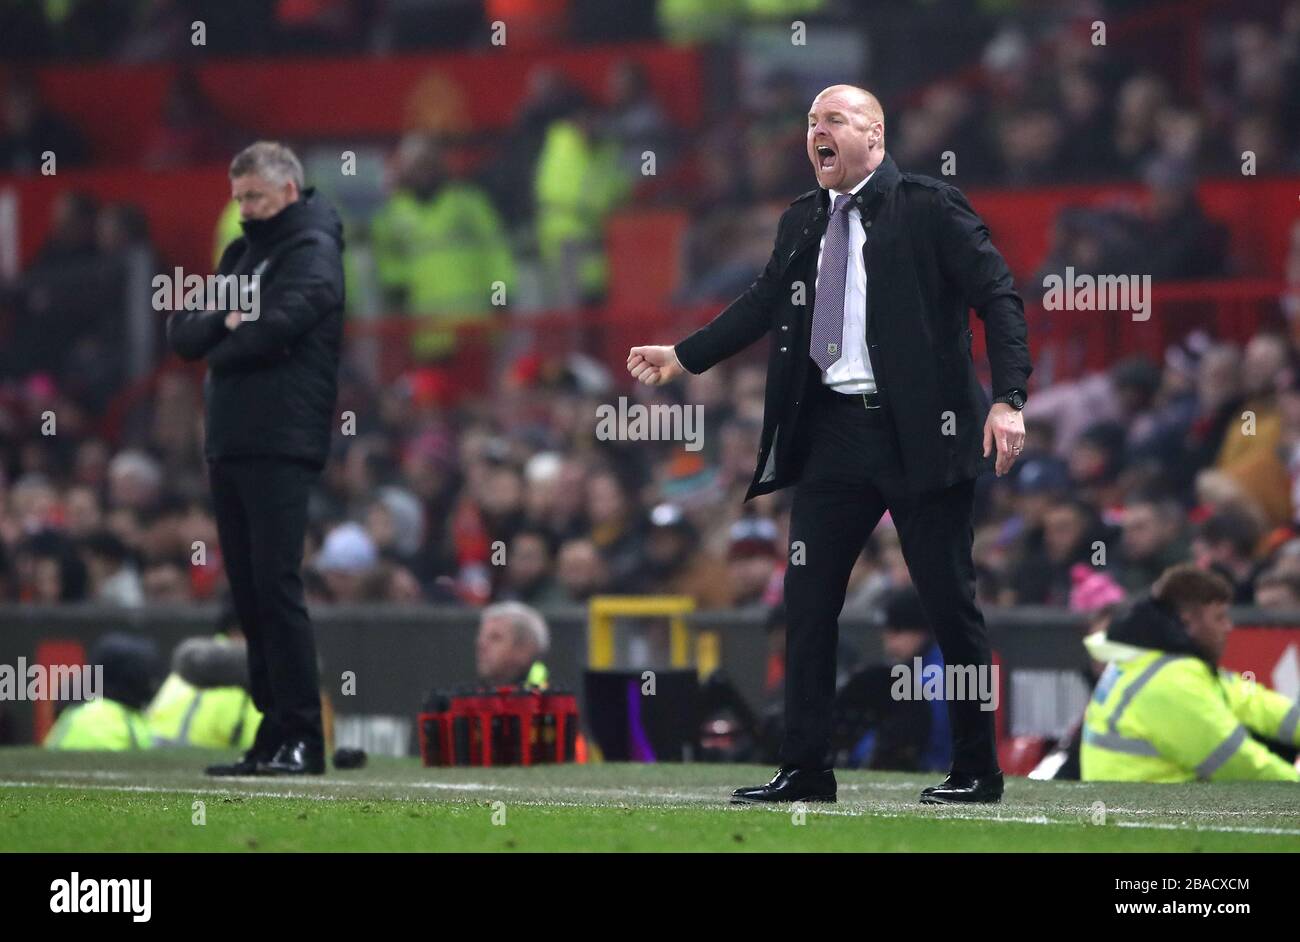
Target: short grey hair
<point>269,159</point>
<point>136,463</point>
<point>528,623</point>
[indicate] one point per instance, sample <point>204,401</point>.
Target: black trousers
<point>261,510</point>
<point>851,474</point>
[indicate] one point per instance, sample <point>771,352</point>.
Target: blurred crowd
<point>161,30</point>
<point>1027,93</point>
<point>513,497</point>
<point>1034,100</point>
<point>509,495</point>
<point>1051,102</point>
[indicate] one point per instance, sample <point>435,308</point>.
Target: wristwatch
<point>1015,398</point>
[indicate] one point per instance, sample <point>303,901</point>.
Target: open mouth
<point>826,156</point>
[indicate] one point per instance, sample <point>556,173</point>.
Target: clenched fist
<point>654,366</point>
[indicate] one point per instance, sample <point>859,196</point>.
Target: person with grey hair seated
<point>512,638</point>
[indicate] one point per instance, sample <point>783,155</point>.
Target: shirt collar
<point>837,193</point>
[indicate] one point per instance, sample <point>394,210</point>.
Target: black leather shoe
<point>959,788</point>
<point>790,785</point>
<point>295,757</point>
<point>246,764</point>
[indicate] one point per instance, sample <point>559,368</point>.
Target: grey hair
<point>136,463</point>
<point>528,622</point>
<point>269,159</point>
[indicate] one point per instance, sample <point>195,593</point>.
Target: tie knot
<point>840,201</point>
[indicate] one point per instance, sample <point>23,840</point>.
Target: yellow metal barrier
<point>603,609</point>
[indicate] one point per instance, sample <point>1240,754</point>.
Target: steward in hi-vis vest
<point>111,718</point>
<point>1163,711</point>
<point>205,700</point>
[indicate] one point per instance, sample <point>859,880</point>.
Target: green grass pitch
<point>52,801</point>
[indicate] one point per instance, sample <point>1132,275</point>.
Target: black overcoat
<point>929,260</point>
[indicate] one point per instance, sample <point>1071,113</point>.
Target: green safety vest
<point>216,717</point>
<point>538,675</point>
<point>782,9</point>
<point>99,724</point>
<point>227,231</point>
<point>578,183</point>
<point>444,254</point>
<point>1158,717</point>
<point>685,22</point>
<point>57,11</point>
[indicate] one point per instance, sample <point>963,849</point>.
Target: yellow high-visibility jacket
<point>445,255</point>
<point>1161,717</point>
<point>538,676</point>
<point>228,230</point>
<point>100,724</point>
<point>213,717</point>
<point>578,183</point>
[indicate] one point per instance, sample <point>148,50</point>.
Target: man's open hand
<point>1005,426</point>
<point>653,366</point>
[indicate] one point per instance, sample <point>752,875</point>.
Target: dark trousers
<point>261,510</point>
<point>851,474</point>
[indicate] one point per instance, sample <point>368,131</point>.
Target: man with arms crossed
<point>270,396</point>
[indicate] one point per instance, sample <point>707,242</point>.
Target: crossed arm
<point>307,285</point>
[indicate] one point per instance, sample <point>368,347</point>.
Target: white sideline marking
<point>1204,827</point>
<point>962,815</point>
<point>165,790</point>
<point>704,796</point>
<point>110,774</point>
<point>949,812</point>
<point>369,783</point>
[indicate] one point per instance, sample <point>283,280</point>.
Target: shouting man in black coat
<point>872,404</point>
<point>270,394</point>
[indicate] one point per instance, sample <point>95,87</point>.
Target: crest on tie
<point>832,348</point>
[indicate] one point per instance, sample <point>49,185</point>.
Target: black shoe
<point>246,764</point>
<point>790,785</point>
<point>959,788</point>
<point>295,757</point>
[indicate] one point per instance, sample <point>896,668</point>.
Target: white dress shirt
<point>852,373</point>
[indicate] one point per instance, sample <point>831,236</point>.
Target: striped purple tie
<point>828,310</point>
